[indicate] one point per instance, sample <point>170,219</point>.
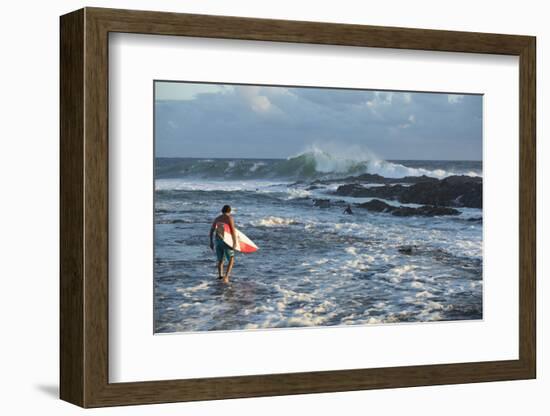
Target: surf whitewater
<point>410,252</point>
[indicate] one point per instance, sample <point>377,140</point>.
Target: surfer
<point>348,210</point>
<point>223,250</point>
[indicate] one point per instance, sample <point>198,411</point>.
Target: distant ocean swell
<point>315,164</point>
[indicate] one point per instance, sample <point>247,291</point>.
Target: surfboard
<point>244,244</point>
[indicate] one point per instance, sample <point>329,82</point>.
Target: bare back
<point>224,219</point>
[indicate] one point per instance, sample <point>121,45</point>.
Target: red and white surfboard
<point>244,244</point>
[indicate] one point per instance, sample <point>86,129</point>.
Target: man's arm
<point>233,232</point>
<point>211,234</point>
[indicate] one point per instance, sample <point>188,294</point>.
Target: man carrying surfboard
<point>221,248</point>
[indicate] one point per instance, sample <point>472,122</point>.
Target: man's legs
<point>229,268</point>
<point>219,256</point>
<point>220,269</point>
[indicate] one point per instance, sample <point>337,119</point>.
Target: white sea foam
<point>403,269</point>
<point>177,184</point>
<point>424,294</point>
<point>294,193</point>
<point>274,222</point>
<point>351,250</point>
<point>201,286</point>
<point>256,165</point>
<point>305,320</point>
<point>417,285</point>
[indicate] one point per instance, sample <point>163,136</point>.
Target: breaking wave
<point>313,164</point>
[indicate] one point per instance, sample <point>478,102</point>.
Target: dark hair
<point>226,209</point>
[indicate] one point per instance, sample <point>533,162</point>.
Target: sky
<point>246,121</point>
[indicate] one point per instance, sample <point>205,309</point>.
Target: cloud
<point>253,96</point>
<point>184,90</point>
<point>455,98</point>
<point>333,97</point>
<point>410,121</point>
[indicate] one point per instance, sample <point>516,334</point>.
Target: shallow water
<point>314,267</point>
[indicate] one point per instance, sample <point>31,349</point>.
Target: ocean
<point>316,266</point>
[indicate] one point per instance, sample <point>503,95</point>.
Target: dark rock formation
<point>375,178</point>
<point>424,211</point>
<point>454,191</point>
<point>321,203</point>
<point>407,249</point>
<point>376,206</point>
<point>360,191</point>
<point>475,219</point>
<point>416,179</point>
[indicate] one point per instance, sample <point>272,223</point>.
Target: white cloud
<point>455,98</point>
<point>410,121</point>
<point>384,97</point>
<point>260,104</point>
<point>179,91</point>
<point>257,101</point>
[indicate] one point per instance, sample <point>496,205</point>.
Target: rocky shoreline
<point>453,191</point>
<point>436,197</point>
<point>423,211</point>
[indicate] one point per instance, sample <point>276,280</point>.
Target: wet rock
<point>321,203</point>
<point>475,219</point>
<point>376,206</point>
<point>416,179</point>
<point>360,191</point>
<point>376,179</point>
<point>407,249</point>
<point>465,262</point>
<point>351,189</point>
<point>370,178</point>
<point>424,211</point>
<point>454,191</point>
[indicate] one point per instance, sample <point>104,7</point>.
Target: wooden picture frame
<point>84,207</point>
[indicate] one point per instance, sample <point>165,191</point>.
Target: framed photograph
<point>254,207</point>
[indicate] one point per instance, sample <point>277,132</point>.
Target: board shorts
<point>223,250</point>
